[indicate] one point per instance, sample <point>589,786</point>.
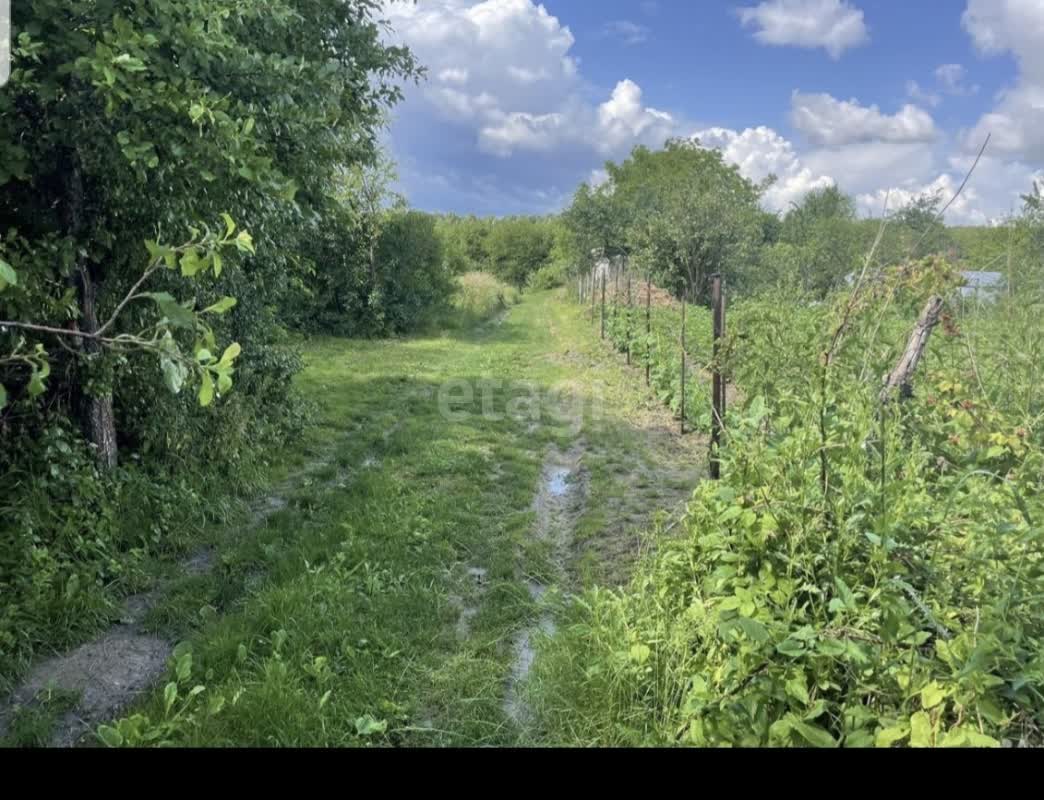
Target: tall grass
<point>478,298</point>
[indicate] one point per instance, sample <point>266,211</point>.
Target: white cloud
<point>623,119</point>
<point>915,92</point>
<point>453,75</point>
<point>825,120</point>
<point>504,68</point>
<point>951,79</point>
<point>760,152</point>
<point>630,33</point>
<point>834,25</point>
<point>964,210</point>
<point>1017,122</point>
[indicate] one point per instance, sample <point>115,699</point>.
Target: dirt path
<point>400,586</point>
<point>105,675</point>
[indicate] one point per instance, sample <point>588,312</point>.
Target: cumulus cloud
<point>1017,122</point>
<point>834,25</point>
<point>965,209</point>
<point>825,120</point>
<point>760,152</point>
<point>503,68</point>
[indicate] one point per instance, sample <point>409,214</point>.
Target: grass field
<point>394,587</point>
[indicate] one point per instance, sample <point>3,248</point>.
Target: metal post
<point>683,363</point>
<point>628,319</point>
<point>718,391</point>
<point>648,328</point>
<point>603,304</point>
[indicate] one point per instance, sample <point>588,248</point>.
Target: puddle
<point>557,477</point>
<point>558,504</point>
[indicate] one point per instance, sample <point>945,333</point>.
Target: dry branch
<point>899,378</point>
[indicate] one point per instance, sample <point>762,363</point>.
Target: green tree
<point>518,248</point>
<point>688,215</point>
<point>819,244</point>
<point>126,120</point>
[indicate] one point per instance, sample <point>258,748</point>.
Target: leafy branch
<point>197,256</point>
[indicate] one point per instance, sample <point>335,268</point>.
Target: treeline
<point>184,184</point>
<point>534,252</point>
<point>683,213</point>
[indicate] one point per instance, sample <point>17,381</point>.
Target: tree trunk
<point>96,413</point>
<point>899,378</point>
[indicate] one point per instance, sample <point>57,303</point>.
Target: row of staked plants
<point>866,573</point>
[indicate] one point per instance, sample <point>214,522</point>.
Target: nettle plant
<point>173,320</point>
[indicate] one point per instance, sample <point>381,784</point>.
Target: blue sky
<point>523,101</point>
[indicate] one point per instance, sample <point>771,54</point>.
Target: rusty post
<point>718,390</point>
<point>683,363</point>
<point>648,329</point>
<point>603,305</point>
<point>628,319</point>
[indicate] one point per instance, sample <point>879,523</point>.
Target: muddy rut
<point>558,505</point>
<point>109,672</point>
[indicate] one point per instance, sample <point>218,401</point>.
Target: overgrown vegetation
<point>867,572</point>
<point>192,190</point>
<point>127,125</point>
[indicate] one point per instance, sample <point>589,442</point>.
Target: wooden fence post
<point>648,328</point>
<point>628,319</point>
<point>592,285</point>
<point>683,363</point>
<point>718,389</point>
<point>603,305</point>
<point>616,291</point>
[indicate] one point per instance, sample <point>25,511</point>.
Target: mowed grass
<point>335,620</point>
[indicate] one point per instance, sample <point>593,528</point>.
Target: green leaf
<point>174,374</point>
<point>230,226</point>
<point>790,647</point>
<point>191,263</point>
<point>920,730</point>
<point>221,306</point>
<point>753,629</point>
<point>886,737</point>
<point>8,277</point>
<point>215,703</point>
<point>813,734</point>
<point>640,653</point>
<point>244,242</point>
<point>184,666</point>
<point>231,353</point>
<point>932,695</point>
<point>288,192</point>
<point>206,390</point>
<point>797,689</point>
<point>368,726</point>
<point>37,377</point>
<point>109,736</point>
<point>175,312</point>
<point>170,696</point>
<point>3,396</point>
